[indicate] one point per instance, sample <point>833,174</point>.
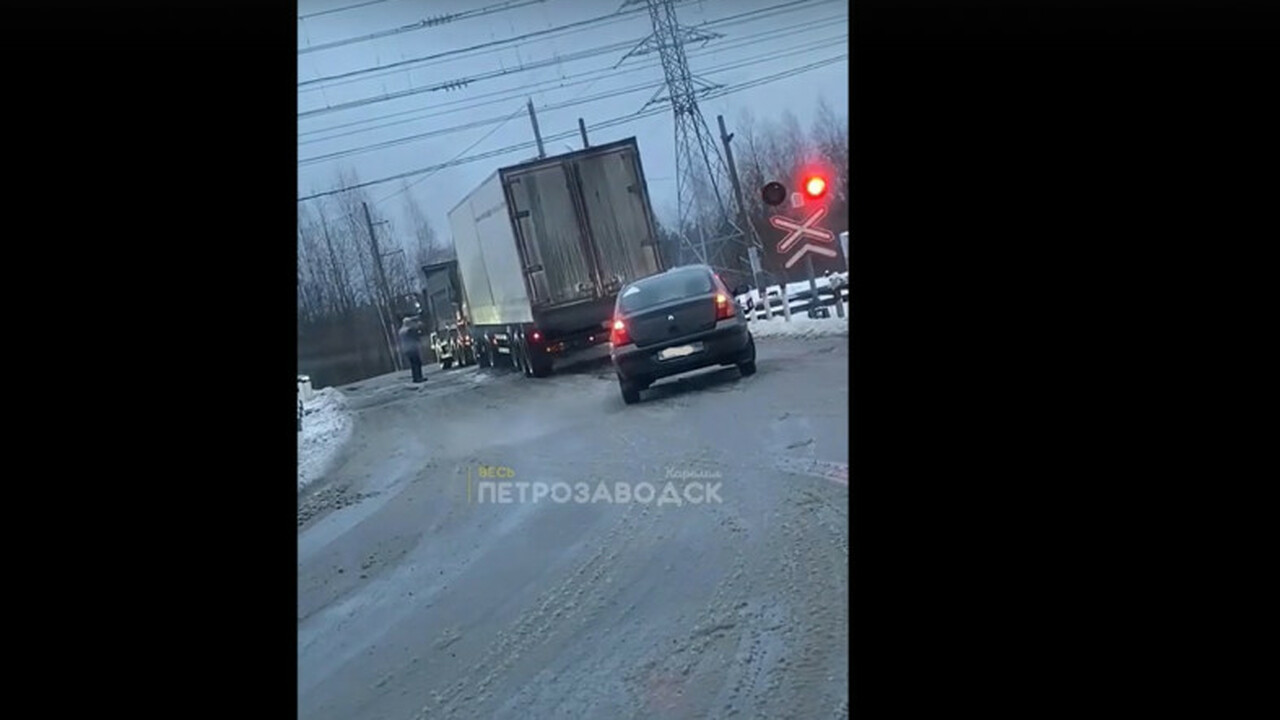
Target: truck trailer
<point>543,248</point>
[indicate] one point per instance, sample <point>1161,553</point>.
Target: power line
<point>369,74</point>
<point>827,42</point>
<point>731,20</point>
<point>491,43</point>
<point>457,83</point>
<point>650,112</point>
<point>463,82</point>
<point>506,94</point>
<point>341,9</point>
<point>568,28</point>
<point>462,152</point>
<point>434,21</point>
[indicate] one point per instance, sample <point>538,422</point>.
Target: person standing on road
<point>411,346</point>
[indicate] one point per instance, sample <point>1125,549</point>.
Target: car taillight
<point>537,336</point>
<point>724,308</point>
<point>619,334</point>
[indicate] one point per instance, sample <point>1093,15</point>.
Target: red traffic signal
<point>815,186</point>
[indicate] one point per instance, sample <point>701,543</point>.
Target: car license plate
<point>679,351</point>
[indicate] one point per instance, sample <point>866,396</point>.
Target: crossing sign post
<point>806,233</point>
<point>806,230</point>
<point>810,237</point>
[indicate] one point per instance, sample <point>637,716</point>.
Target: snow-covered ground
<point>801,325</point>
<point>326,427</point>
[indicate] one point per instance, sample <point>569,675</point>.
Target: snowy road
<point>416,599</point>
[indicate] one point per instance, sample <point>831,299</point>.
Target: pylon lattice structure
<point>707,224</point>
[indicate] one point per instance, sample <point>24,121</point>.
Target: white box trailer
<point>543,248</point>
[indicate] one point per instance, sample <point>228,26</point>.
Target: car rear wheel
<point>630,392</point>
<point>748,367</point>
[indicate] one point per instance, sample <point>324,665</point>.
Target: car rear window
<point>664,288</point>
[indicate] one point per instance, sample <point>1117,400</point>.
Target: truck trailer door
<point>547,229</point>
<point>618,216</point>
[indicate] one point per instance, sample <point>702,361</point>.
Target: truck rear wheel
<point>630,392</point>
<point>542,367</point>
<point>535,364</point>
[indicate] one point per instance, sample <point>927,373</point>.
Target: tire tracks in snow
<point>578,592</point>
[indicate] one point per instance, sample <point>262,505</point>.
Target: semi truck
<point>446,327</point>
<point>543,247</point>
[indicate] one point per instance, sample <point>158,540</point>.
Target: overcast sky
<point>770,38</point>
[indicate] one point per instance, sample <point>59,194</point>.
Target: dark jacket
<point>410,339</point>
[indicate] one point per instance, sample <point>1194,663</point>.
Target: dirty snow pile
<point>802,325</point>
<point>326,427</point>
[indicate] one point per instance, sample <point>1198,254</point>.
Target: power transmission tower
<point>705,206</point>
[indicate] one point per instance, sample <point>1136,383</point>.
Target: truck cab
<point>452,345</point>
<point>442,347</point>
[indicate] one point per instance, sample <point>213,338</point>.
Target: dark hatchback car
<point>680,320</point>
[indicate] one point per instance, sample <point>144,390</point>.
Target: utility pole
<point>582,128</point>
<point>786,298</point>
<point>813,286</point>
<point>382,320</point>
<point>377,254</point>
<point>533,118</point>
<point>384,308</point>
<point>749,237</point>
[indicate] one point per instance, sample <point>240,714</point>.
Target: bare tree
<point>749,159</point>
<point>830,137</point>
<point>428,248</point>
<point>324,289</point>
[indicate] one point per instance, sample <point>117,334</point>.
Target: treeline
<point>348,296</point>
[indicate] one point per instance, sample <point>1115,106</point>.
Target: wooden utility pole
<point>384,307</point>
<point>533,118</point>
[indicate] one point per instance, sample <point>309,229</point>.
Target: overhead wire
<point>566,29</point>
<point>462,152</point>
<point>555,137</point>
<point>457,83</point>
<point>617,92</point>
<point>422,24</point>
<point>450,53</point>
<point>462,82</point>
<point>506,94</point>
<point>719,23</point>
<point>341,9</point>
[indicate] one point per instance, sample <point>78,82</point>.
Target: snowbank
<point>326,427</point>
<point>802,326</point>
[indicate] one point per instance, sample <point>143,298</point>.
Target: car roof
<point>673,271</point>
